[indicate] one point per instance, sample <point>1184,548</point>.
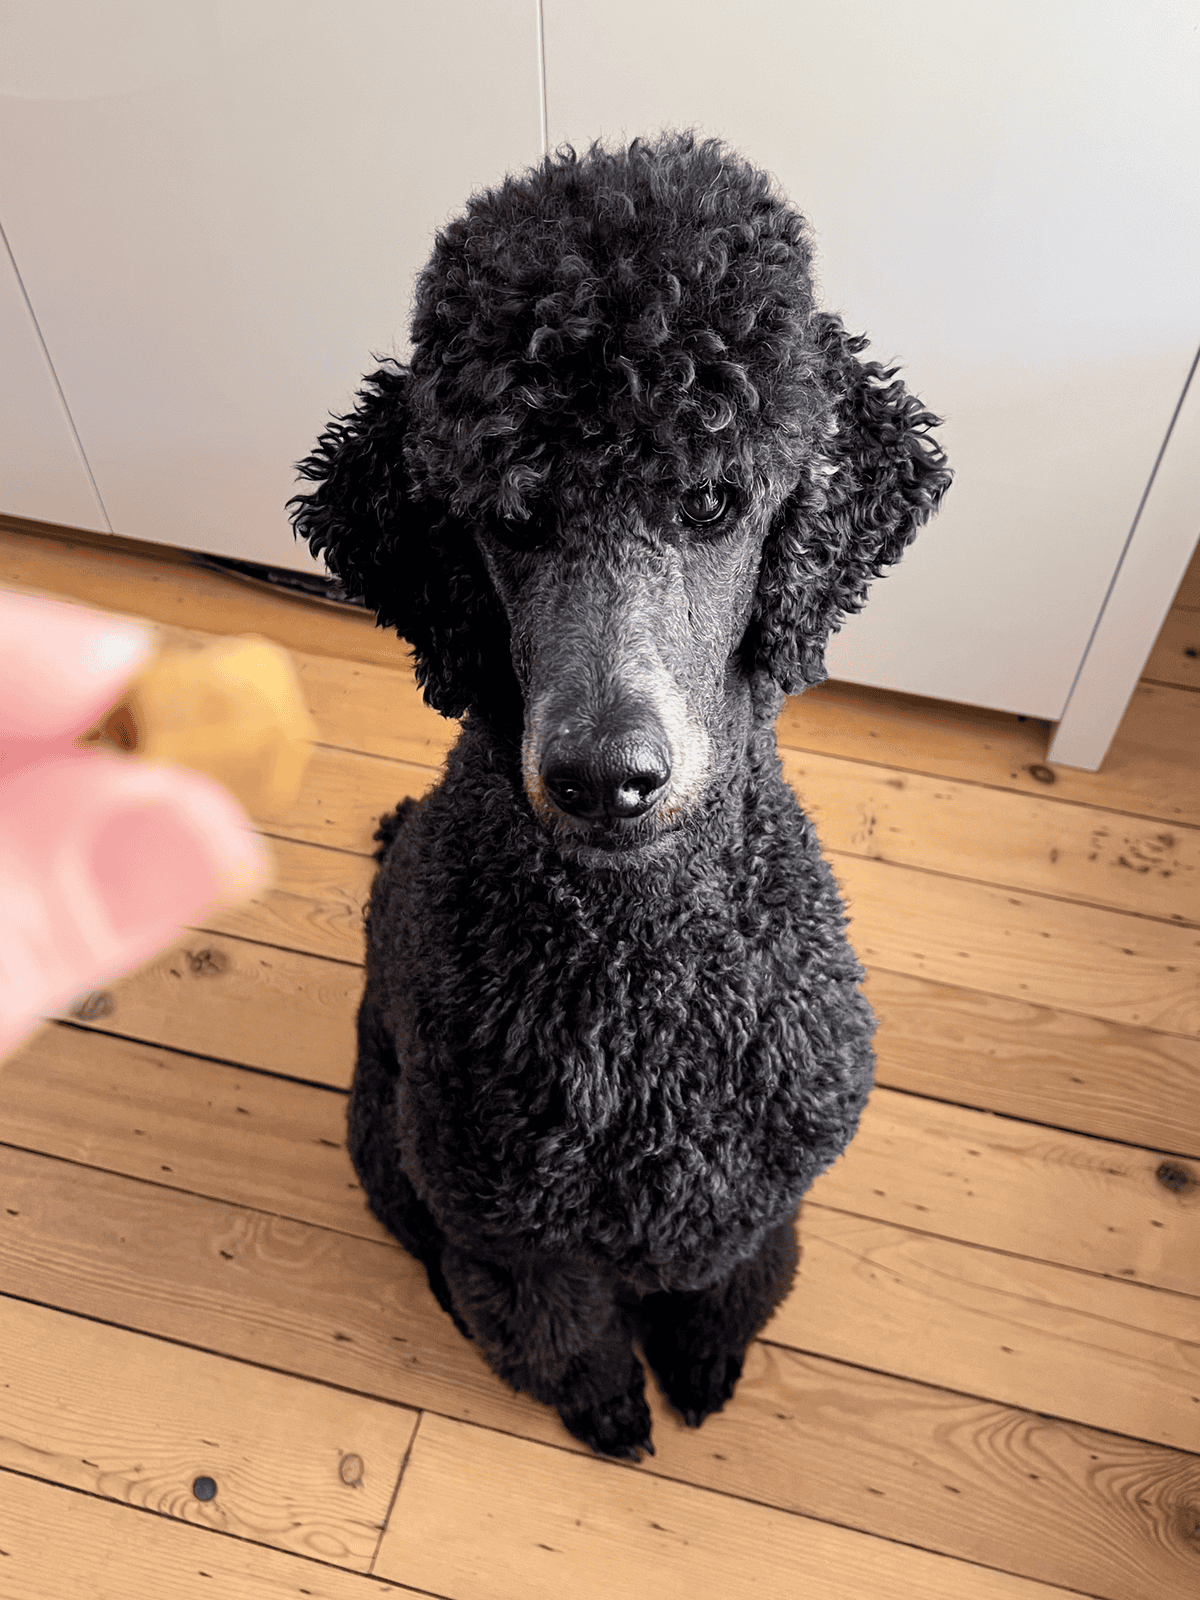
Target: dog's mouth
<point>611,841</point>
<point>616,847</point>
<point>620,835</point>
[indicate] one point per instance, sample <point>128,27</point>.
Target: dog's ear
<point>413,563</point>
<point>879,477</point>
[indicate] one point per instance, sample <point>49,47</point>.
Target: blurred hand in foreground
<point>102,858</point>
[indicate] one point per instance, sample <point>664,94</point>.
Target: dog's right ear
<point>881,475</point>
<point>416,566</point>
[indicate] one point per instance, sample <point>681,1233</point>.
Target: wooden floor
<point>986,1384</point>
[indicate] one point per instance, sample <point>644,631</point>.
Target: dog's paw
<point>697,1387</point>
<point>619,1427</point>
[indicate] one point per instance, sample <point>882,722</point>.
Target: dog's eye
<point>530,534</point>
<point>704,505</point>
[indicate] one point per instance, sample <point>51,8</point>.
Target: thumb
<point>101,861</point>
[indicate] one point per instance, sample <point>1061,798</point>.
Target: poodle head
<point>629,473</point>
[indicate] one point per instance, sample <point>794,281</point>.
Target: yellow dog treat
<point>232,709</point>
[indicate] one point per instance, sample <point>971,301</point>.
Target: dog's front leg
<point>696,1341</point>
<point>553,1329</point>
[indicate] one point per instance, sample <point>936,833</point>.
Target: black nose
<point>617,778</point>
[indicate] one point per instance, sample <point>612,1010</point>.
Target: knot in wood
<point>94,1006</point>
<point>1042,774</point>
<point>1173,1175</point>
<point>351,1471</point>
<point>204,963</point>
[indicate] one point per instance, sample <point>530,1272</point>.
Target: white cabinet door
<point>1005,199</point>
<point>42,473</point>
<point>218,208</point>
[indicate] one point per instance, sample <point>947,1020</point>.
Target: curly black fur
<point>601,1057</point>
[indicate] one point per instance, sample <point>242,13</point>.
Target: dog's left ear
<point>880,476</point>
<point>413,563</point>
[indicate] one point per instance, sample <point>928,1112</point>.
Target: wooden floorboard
<point>56,1543</point>
<point>1072,852</point>
<point>1188,595</point>
<point>1107,964</point>
<point>223,997</point>
<point>160,585</point>
<point>305,1468</point>
<point>1175,658</point>
<point>1061,1343</point>
<point>1149,770</point>
<point>986,1382</point>
<point>1037,1062</point>
<point>955,1171</point>
<point>490,1517</point>
<point>864,1444</point>
<point>1021,1188</point>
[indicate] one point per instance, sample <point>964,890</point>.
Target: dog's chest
<point>616,1072</point>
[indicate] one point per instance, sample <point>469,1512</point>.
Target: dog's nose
<point>618,778</point>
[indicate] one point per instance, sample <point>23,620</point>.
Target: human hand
<point>102,858</point>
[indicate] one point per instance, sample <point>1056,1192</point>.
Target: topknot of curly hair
<point>648,305</point>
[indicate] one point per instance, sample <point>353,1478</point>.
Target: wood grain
<point>315,905</point>
<point>1021,1188</point>
<point>223,997</point>
<point>54,1542</point>
<point>481,1516</point>
<point>1149,771</point>
<point>140,1421</point>
<point>374,709</point>
<point>343,1310</point>
<point>1176,655</point>
<point>1035,1062</point>
<point>950,1170</point>
<point>1099,1513</point>
<point>804,1433</point>
<point>186,1124</point>
<point>996,836</point>
<point>1107,964</point>
<point>1069,1344</point>
<point>344,795</point>
<point>162,585</point>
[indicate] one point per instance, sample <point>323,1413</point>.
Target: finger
<point>62,665</point>
<point>101,862</point>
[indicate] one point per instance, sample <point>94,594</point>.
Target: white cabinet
<point>218,207</point>
<point>218,210</point>
<point>42,471</point>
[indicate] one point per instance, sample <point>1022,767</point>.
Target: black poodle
<point>612,1028</point>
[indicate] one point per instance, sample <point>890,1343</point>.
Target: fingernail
<point>113,650</point>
